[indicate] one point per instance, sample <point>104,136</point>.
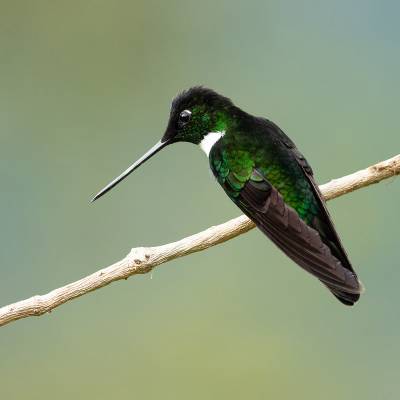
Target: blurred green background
<point>85,88</point>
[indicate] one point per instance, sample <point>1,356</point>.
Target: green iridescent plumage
<point>265,175</point>
<point>262,171</point>
<point>235,163</point>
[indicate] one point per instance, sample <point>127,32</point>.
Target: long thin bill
<point>155,149</point>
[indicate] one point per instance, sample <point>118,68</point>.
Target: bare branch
<point>143,259</point>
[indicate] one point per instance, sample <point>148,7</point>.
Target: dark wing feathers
<point>316,246</point>
<point>281,223</point>
<point>323,222</point>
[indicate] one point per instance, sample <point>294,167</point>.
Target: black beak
<point>155,149</point>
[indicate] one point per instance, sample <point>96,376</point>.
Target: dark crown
<point>199,95</point>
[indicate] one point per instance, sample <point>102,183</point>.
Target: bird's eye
<point>185,116</point>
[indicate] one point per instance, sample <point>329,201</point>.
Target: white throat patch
<point>209,140</point>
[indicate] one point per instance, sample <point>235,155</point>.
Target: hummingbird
<point>267,177</point>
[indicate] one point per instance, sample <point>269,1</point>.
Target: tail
<point>346,297</point>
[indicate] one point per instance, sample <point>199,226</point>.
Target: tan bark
<point>143,259</point>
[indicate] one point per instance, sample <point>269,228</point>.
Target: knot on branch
<point>138,260</point>
<point>39,307</point>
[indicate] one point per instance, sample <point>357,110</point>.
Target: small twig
<point>143,259</point>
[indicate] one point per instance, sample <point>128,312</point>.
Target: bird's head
<point>195,113</point>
